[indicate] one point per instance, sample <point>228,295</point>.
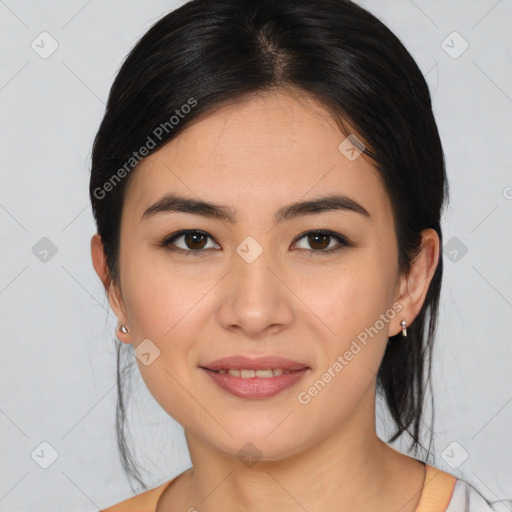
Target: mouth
<point>259,378</point>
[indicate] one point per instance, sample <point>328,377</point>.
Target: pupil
<point>316,237</point>
<point>191,239</point>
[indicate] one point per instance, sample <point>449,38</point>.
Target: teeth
<point>249,374</point>
<point>264,373</point>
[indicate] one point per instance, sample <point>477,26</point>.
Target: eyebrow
<point>171,203</point>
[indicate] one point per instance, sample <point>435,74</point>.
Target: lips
<point>255,378</point>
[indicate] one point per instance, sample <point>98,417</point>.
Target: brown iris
<point>316,239</point>
<point>195,240</point>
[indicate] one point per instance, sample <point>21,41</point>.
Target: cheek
<point>166,304</point>
<point>354,302</point>
<point>353,351</point>
<point>352,296</point>
<point>160,295</point>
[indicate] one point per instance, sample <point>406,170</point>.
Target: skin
<point>257,156</point>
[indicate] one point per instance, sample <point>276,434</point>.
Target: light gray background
<point>57,374</point>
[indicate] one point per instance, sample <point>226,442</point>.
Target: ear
<point>115,299</point>
<point>413,287</point>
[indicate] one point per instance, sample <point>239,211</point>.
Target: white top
<point>466,498</point>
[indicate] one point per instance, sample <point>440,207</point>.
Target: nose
<point>255,299</point>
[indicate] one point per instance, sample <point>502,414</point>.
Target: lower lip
<point>255,387</point>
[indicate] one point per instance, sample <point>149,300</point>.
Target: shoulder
<point>443,492</point>
<point>144,502</point>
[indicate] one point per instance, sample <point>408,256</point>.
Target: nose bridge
<point>254,277</point>
<point>255,297</point>
<point>254,281</point>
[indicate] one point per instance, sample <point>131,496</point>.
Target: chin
<point>250,444</point>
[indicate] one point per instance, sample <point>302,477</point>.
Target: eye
<point>194,242</point>
<point>320,241</point>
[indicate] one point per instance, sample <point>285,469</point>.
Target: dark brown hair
<point>210,53</point>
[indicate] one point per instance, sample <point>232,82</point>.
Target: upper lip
<point>240,362</point>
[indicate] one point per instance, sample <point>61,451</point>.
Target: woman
<point>268,183</point>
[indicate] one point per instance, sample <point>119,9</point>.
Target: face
<point>256,285</point>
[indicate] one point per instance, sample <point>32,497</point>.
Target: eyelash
<point>166,242</point>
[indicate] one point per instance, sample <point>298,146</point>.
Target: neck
<point>351,470</point>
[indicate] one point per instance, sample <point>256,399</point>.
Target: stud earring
<point>403,323</point>
<point>123,329</point>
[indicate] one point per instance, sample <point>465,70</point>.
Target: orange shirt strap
<point>437,490</point>
<point>145,502</point>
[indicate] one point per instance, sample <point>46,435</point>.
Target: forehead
<point>256,155</point>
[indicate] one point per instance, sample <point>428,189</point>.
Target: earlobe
<point>121,328</point>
